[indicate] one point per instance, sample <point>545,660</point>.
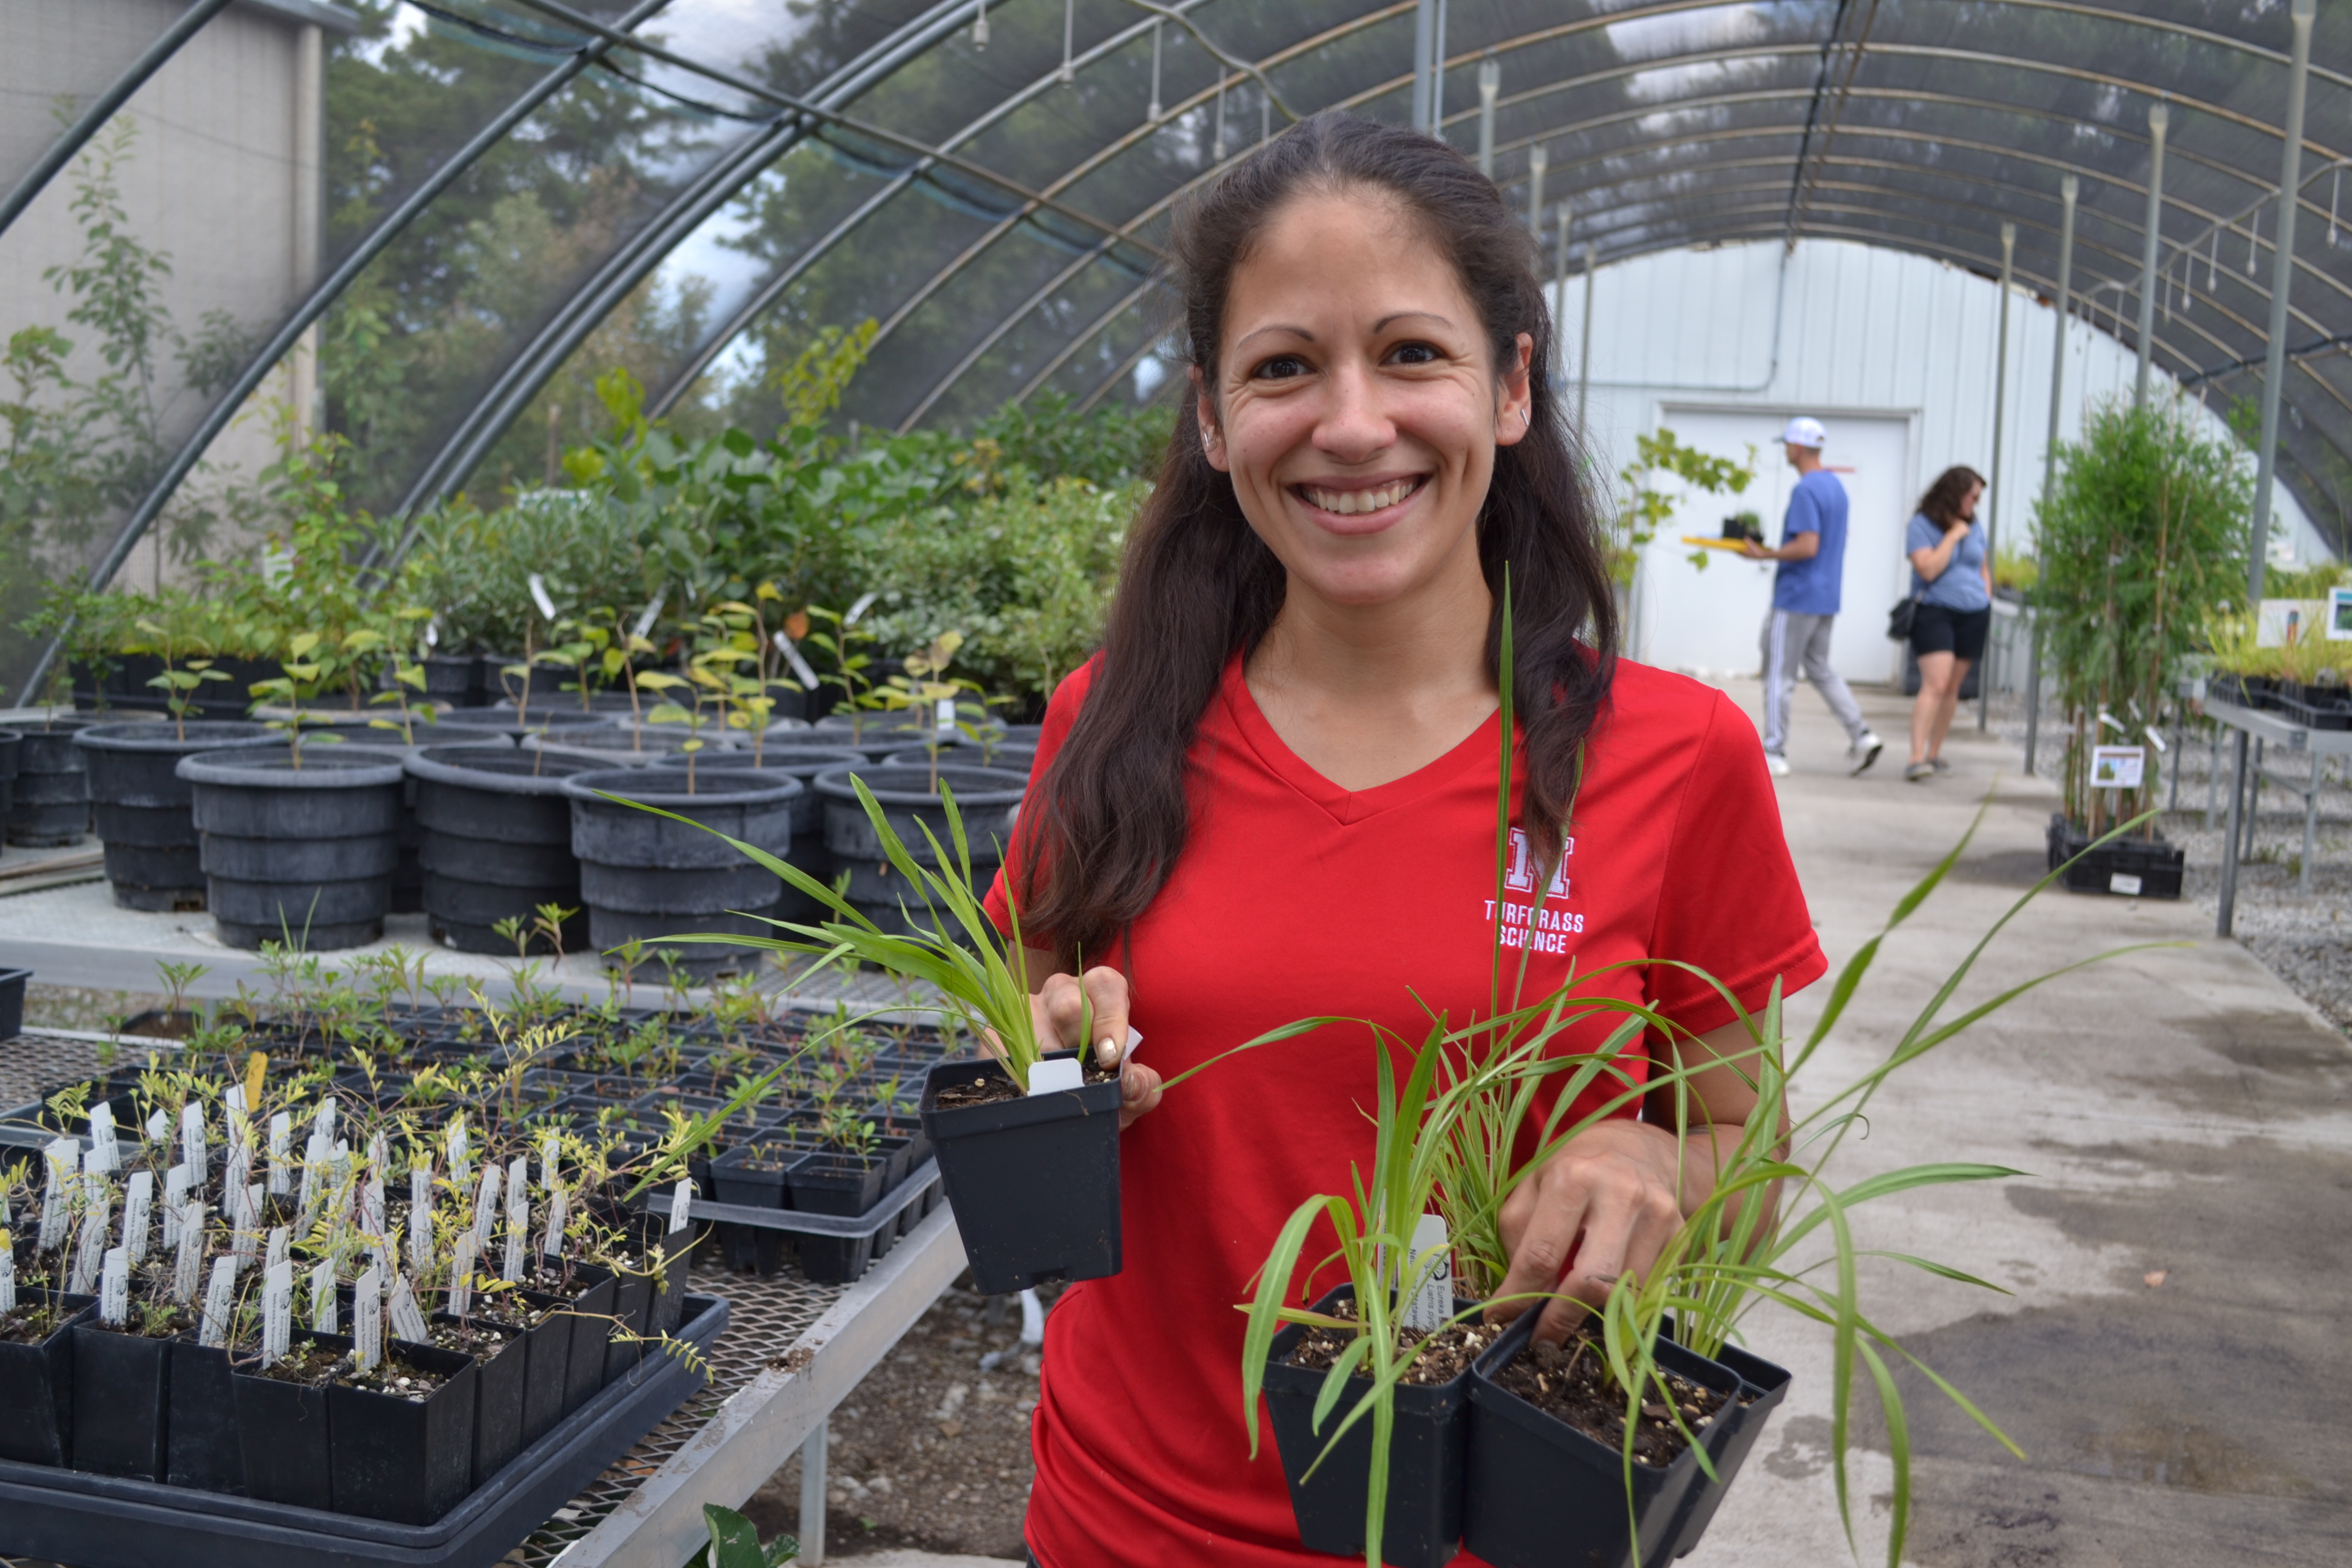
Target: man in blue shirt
<point>1805,602</point>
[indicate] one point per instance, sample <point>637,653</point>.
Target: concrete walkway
<point>2171,1353</point>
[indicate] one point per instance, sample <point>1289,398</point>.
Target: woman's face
<point>1357,404</point>
<point>1969,505</point>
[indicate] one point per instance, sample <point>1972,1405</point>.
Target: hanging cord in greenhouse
<point>101,110</point>
<point>1808,160</point>
<point>2160,119</point>
<point>259,365</point>
<point>1217,51</point>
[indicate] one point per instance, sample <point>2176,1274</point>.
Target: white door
<point>1710,618</point>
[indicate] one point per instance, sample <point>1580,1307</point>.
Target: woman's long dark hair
<point>1941,505</point>
<point>1111,817</point>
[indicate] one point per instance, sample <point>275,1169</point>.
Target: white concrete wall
<point>1864,331</point>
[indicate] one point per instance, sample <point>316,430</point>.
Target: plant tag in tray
<point>7,1274</point>
<point>114,1289</point>
<point>191,1260</point>
<point>276,1312</point>
<point>192,1143</point>
<point>551,1154</point>
<point>104,1149</point>
<point>322,1299</point>
<point>485,1207</point>
<point>461,1159</point>
<point>159,1126</point>
<point>176,1203</point>
<point>553,1244</point>
<point>280,1240</point>
<point>406,1321</point>
<point>60,1160</point>
<point>138,1212</point>
<point>517,1217</point>
<point>96,1223</point>
<point>1432,1303</point>
<point>281,1137</point>
<point>372,1207</point>
<point>420,1220</point>
<point>314,1156</point>
<point>367,1321</point>
<point>1052,1077</point>
<point>234,1108</point>
<point>220,1301</point>
<point>682,1205</point>
<point>461,1275</point>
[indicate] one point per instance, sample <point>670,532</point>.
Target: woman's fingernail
<point>1106,1050</point>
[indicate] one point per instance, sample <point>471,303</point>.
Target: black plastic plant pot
<point>2128,867</point>
<point>644,875</point>
<point>281,1436</point>
<point>500,1377</point>
<point>37,1381</point>
<point>796,756</point>
<point>301,854</point>
<point>200,1447</point>
<point>407,1460</point>
<point>752,1175</point>
<point>1033,1180</point>
<point>497,830</point>
<point>624,744</point>
<point>121,1389</point>
<point>12,1002</point>
<point>1004,757</point>
<point>1421,1527</point>
<point>589,1313</point>
<point>547,1365</point>
<point>145,812</point>
<point>455,679</point>
<point>632,1307</point>
<point>50,808</point>
<point>1538,1493</point>
<point>843,1184</point>
<point>541,718</point>
<point>11,745</point>
<point>985,798</point>
<point>675,1251</point>
<point>1763,1386</point>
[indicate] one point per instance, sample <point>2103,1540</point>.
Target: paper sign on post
<point>2117,767</point>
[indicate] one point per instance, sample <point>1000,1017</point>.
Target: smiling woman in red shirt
<point>1272,795</point>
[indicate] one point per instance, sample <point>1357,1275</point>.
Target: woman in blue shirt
<point>1950,578</point>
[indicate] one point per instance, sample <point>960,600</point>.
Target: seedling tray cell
<point>97,1522</point>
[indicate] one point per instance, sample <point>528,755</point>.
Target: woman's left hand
<point>1608,1200</point>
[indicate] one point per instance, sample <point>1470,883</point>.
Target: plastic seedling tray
<point>97,1522</point>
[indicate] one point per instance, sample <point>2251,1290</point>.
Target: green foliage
<point>735,1543</point>
<point>2142,538</point>
<point>473,568</point>
<point>1644,508</point>
<point>811,386</point>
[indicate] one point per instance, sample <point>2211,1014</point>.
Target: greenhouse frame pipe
<point>290,332</point>
<point>1584,346</point>
<point>2274,370</point>
<point>996,334</point>
<point>2151,243</point>
<point>1424,50</point>
<point>2000,419</point>
<point>134,76</point>
<point>1080,339</point>
<point>1490,87</point>
<point>2069,191</point>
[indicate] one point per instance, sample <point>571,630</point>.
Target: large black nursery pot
<point>282,1439</point>
<point>49,808</point>
<point>304,853</point>
<point>881,733</point>
<point>201,1448</point>
<point>120,1402</point>
<point>645,875</point>
<point>2128,867</point>
<point>801,758</point>
<point>145,811</point>
<point>497,830</point>
<point>454,679</point>
<point>403,1459</point>
<point>36,1383</point>
<point>1033,1180</point>
<point>382,730</point>
<point>1422,1525</point>
<point>12,745</point>
<point>1004,757</point>
<point>622,744</point>
<point>985,798</point>
<point>1763,1386</point>
<point>1538,1493</point>
<point>460,723</point>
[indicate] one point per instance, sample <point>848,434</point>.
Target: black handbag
<point>1899,618</point>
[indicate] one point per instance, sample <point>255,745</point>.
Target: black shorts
<point>1937,629</point>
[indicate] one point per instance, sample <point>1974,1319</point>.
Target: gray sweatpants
<point>1795,644</point>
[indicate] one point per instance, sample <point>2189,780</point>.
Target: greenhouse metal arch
<point>994,177</point>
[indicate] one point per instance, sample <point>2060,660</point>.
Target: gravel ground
<point>2305,941</point>
<point>75,1007</point>
<point>932,1450</point>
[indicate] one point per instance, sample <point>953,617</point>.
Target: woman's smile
<point>1358,506</point>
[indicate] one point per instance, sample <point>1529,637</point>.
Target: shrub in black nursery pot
<point>282,1441</point>
<point>985,797</point>
<point>399,1457</point>
<point>787,758</point>
<point>145,811</point>
<point>1033,1179</point>
<point>497,830</point>
<point>49,808</point>
<point>120,1388</point>
<point>36,1375</point>
<point>302,853</point>
<point>1422,1524</point>
<point>1540,1493</point>
<point>645,875</point>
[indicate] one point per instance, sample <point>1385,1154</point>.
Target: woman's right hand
<point>1059,1009</point>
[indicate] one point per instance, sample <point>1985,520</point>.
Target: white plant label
<point>175,1202</point>
<point>485,1207</point>
<point>407,1322</point>
<point>1052,1077</point>
<point>281,1239</point>
<point>192,1143</point>
<point>322,1298</point>
<point>646,617</point>
<point>277,1313</point>
<point>234,1184</point>
<point>114,1289</point>
<point>339,1175</point>
<point>61,1159</point>
<point>234,1113</point>
<point>461,1275</point>
<point>367,1321</point>
<point>97,1221</point>
<point>106,1150</point>
<point>314,1155</point>
<point>682,1205</point>
<point>323,1124</point>
<point>372,1207</point>
<point>1432,1303</point>
<point>159,1126</point>
<point>537,586</point>
<point>379,1156</point>
<point>138,1209</point>
<point>248,1230</point>
<point>420,1219</point>
<point>517,1217</point>
<point>220,1298</point>
<point>800,667</point>
<point>281,1138</point>
<point>461,1159</point>
<point>7,1274</point>
<point>553,1244</point>
<point>192,1252</point>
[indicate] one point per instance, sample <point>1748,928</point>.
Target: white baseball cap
<point>1805,432</point>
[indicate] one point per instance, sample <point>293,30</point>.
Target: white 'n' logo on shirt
<point>1521,877</point>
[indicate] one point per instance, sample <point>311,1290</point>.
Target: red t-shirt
<point>1296,898</point>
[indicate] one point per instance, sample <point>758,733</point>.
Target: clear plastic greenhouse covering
<point>520,194</point>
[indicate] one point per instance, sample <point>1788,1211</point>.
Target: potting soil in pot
<point>644,875</point>
<point>145,812</point>
<point>497,842</point>
<point>300,853</point>
<point>911,802</point>
<point>1572,1381</point>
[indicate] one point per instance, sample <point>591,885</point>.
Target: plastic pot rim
<point>329,767</point>
<point>629,783</point>
<point>834,784</point>
<point>425,764</point>
<point>138,736</point>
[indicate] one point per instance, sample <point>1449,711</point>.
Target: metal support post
<point>1560,293</point>
<point>2229,843</point>
<point>2000,431</point>
<point>813,1485</point>
<point>1424,44</point>
<point>2282,282</point>
<point>1584,346</point>
<point>2152,241</point>
<point>1437,74</point>
<point>2069,190</point>
<point>1490,87</point>
<point>1539,159</point>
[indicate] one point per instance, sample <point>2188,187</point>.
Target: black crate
<point>2128,867</point>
